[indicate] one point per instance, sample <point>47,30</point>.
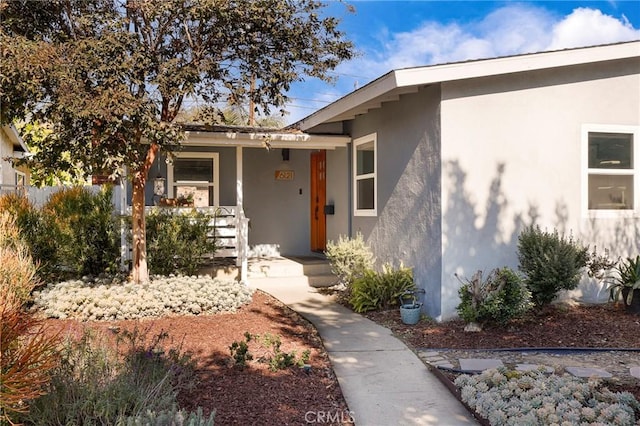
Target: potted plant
<point>185,200</point>
<point>626,282</point>
<point>410,308</point>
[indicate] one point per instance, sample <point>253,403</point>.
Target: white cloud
<point>588,27</point>
<point>510,30</point>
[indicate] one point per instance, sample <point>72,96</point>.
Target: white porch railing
<point>223,225</point>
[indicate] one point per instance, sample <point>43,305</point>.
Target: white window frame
<point>19,175</point>
<point>373,137</point>
<point>197,155</point>
<point>586,171</point>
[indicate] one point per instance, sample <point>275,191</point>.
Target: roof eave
<point>264,139</point>
<point>400,81</point>
<point>15,138</point>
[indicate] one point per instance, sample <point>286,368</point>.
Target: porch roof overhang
<point>250,137</point>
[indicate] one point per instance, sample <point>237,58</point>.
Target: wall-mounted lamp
<point>158,186</point>
<point>285,154</point>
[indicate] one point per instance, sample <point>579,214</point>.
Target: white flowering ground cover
<point>507,397</point>
<point>112,299</point>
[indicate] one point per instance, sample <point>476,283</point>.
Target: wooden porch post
<point>242,228</point>
<point>121,191</point>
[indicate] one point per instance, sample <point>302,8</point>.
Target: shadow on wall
<point>408,228</point>
<point>482,237</point>
<point>477,241</point>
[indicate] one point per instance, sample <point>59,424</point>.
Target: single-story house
<point>440,167</point>
<point>12,147</point>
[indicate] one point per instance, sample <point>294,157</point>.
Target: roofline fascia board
<point>514,64</point>
<point>377,87</point>
<point>15,137</point>
<point>258,140</point>
<point>433,74</point>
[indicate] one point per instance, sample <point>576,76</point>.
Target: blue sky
<point>397,34</point>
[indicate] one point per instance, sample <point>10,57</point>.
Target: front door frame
<point>318,196</point>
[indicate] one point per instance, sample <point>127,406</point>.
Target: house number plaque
<point>284,174</point>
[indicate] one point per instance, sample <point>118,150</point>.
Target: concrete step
<point>322,281</point>
<point>296,281</point>
<point>294,271</point>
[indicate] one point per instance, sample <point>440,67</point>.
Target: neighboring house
<point>12,178</point>
<point>440,167</point>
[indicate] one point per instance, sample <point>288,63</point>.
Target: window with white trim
<point>612,169</point>
<point>365,189</point>
<point>194,174</point>
<point>21,179</point>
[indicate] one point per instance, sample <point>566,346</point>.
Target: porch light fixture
<point>285,154</point>
<point>158,186</point>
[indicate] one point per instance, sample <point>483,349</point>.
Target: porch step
<point>314,272</point>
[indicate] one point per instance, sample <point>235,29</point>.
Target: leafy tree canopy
<point>111,75</point>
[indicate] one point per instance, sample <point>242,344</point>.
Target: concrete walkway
<point>383,382</point>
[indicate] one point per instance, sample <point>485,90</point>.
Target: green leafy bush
<point>177,243</point>
<point>374,291</point>
<point>240,351</point>
<point>112,299</point>
<point>41,236</point>
<point>96,383</point>
<point>499,298</point>
<point>550,263</point>
<point>507,397</point>
<point>88,241</point>
<point>349,258</point>
<point>279,359</point>
<point>74,234</point>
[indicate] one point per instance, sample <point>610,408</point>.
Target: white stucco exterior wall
<point>338,195</point>
<point>511,156</point>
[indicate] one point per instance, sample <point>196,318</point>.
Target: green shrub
<point>177,243</point>
<point>240,351</point>
<point>274,356</point>
<point>88,239</point>
<point>349,258</point>
<point>277,358</point>
<point>375,291</point>
<point>41,236</point>
<point>94,384</point>
<point>550,263</point>
<point>502,296</point>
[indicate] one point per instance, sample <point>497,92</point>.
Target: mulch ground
<point>253,395</point>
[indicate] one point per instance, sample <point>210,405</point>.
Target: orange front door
<point>318,200</point>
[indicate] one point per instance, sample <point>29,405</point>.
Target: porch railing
<point>224,226</point>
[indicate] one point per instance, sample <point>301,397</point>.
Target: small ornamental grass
<point>507,397</point>
<point>134,382</point>
<point>111,299</point>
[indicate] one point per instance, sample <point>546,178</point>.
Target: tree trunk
<point>140,270</point>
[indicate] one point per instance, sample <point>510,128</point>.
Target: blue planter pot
<point>410,313</point>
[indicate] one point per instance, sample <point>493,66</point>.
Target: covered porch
<point>260,183</point>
